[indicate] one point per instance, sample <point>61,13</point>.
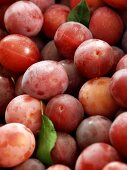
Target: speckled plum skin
<point>94,58</point>
<point>45,79</point>
<point>26,110</point>
<point>17,144</point>
<point>27,17</point>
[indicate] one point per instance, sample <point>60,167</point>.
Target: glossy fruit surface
<point>18,52</point>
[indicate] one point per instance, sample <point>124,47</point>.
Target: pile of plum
<point>63,85</point>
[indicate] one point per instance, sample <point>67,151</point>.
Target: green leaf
<point>47,140</point>
<point>80,13</point>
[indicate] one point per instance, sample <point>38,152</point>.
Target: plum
<point>27,17</point>
<point>69,36</point>
<point>65,111</point>
<point>96,156</point>
<point>96,98</point>
<point>18,52</point>
<point>75,78</point>
<point>115,166</point>
<point>102,24</point>
<point>18,86</point>
<point>26,110</point>
<point>118,134</point>
<point>94,58</point>
<point>92,130</point>
<point>30,164</point>
<point>50,52</point>
<point>65,150</point>
<point>50,25</point>
<point>17,144</point>
<point>45,79</point>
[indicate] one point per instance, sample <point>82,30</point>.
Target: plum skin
<point>102,24</point>
<point>45,79</point>
<point>66,145</point>
<point>118,134</point>
<point>17,144</point>
<point>27,17</point>
<point>26,110</point>
<point>96,98</point>
<point>65,115</point>
<point>94,58</point>
<point>97,151</point>
<point>92,130</point>
<point>69,36</point>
